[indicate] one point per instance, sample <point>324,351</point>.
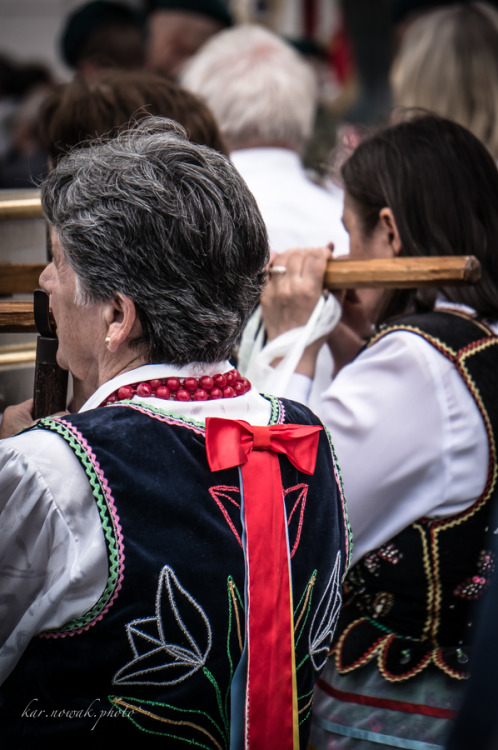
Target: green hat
<point>85,19</point>
<point>216,9</point>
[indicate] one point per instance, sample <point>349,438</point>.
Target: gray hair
<point>259,88</point>
<point>169,224</point>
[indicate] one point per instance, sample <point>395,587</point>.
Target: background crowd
<point>377,139</point>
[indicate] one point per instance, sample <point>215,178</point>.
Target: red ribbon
<point>271,696</point>
<point>229,442</point>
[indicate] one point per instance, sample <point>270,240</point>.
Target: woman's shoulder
<point>393,350</point>
<point>445,328</point>
<point>45,462</point>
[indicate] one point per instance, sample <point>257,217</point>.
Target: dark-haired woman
<point>414,417</point>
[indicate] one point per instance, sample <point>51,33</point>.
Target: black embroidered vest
<point>152,662</point>
<point>409,603</point>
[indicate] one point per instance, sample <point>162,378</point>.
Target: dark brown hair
<point>441,184</point>
<point>82,110</point>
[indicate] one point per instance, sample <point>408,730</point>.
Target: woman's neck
<point>111,366</point>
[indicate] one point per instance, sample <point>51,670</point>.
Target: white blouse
<point>409,438</point>
<point>296,211</point>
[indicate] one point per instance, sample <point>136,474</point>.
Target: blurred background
<point>349,43</point>
<point>369,56</point>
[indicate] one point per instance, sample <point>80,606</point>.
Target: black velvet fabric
<point>159,657</point>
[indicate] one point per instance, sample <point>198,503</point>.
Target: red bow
<point>229,442</point>
<point>271,695</point>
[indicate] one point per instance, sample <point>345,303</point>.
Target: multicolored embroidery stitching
<point>365,657</point>
<point>159,661</point>
<point>151,714</point>
<point>106,507</point>
<point>277,409</point>
<point>431,529</point>
<point>224,496</point>
<point>325,618</point>
<point>110,525</point>
<point>156,659</point>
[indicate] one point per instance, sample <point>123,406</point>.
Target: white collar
<point>442,303</point>
<point>251,406</point>
<point>278,156</point>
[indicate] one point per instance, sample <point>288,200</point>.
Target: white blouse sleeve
<point>409,438</point>
<point>53,563</point>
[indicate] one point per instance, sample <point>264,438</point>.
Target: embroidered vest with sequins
<point>409,603</point>
<point>152,662</point>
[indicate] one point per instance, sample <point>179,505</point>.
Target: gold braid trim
<point>401,678</point>
<point>429,577</point>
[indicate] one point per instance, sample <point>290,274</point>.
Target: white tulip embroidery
<point>325,619</point>
<point>165,652</point>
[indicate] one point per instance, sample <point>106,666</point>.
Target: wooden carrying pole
<point>341,273</point>
<point>402,273</point>
<point>18,317</point>
<point>21,208</point>
<point>14,355</point>
<point>20,278</point>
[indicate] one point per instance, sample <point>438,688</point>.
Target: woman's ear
<point>388,223</point>
<point>122,321</point>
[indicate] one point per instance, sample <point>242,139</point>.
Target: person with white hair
<point>263,94</point>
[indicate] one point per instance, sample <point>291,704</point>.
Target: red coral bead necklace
<point>208,387</point>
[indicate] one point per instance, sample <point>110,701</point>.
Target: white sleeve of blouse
<point>53,563</point>
<point>409,438</point>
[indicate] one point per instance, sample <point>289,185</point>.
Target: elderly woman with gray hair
<point>171,557</point>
